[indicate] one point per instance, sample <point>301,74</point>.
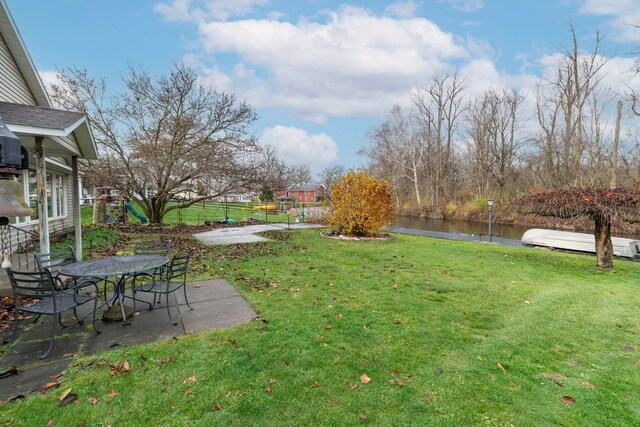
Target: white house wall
<point>13,87</point>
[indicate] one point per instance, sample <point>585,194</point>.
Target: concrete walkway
<point>233,235</point>
<point>216,305</point>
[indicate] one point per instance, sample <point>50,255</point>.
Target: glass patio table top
<point>114,266</point>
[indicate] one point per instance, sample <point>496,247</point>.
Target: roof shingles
<point>28,115</point>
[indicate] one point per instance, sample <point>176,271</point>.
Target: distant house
<point>236,197</point>
<point>304,193</point>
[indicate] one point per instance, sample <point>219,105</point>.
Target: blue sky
<point>322,73</point>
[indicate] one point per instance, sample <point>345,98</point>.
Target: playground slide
<point>135,213</point>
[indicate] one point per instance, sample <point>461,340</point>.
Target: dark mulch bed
<point>6,312</point>
<point>181,229</point>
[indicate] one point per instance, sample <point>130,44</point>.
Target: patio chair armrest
<point>91,284</point>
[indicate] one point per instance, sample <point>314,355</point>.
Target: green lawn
<point>450,333</point>
<point>197,214</point>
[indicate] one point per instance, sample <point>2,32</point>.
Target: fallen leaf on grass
<point>216,407</point>
<point>92,400</point>
<point>113,393</point>
<point>328,326</point>
<point>397,320</point>
<point>101,362</point>
<point>50,423</point>
<point>586,384</point>
<point>56,376</point>
<point>71,397</point>
<point>396,382</point>
<point>49,386</point>
<point>120,367</point>
<point>480,358</point>
<point>65,394</point>
<point>395,286</point>
<point>527,302</point>
<point>65,355</point>
<point>268,389</point>
<point>315,385</point>
<point>502,368</point>
<point>352,386</point>
<point>191,379</point>
<point>568,400</point>
<point>363,417</point>
<point>628,348</point>
<point>365,327</point>
<point>234,343</point>
<point>364,379</point>
<point>339,316</point>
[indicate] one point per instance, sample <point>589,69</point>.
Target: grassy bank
<point>449,333</point>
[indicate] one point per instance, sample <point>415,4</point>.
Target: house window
<point>60,196</point>
<point>56,200</point>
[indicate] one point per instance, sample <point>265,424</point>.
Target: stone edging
<point>341,237</point>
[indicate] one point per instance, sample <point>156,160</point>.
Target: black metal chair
<point>53,261</point>
<point>43,298</point>
<point>160,248</point>
<point>174,278</point>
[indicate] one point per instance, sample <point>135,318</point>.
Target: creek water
<point>514,232</point>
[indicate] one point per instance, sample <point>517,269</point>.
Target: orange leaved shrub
<point>361,205</point>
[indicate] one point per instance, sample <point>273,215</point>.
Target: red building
<point>304,193</point>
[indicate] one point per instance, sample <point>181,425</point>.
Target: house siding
<point>13,87</point>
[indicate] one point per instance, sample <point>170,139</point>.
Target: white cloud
<point>608,7</point>
<point>467,6</point>
<point>402,9</point>
<point>354,63</point>
<point>49,77</point>
<point>624,16</point>
<point>199,10</point>
<point>297,147</point>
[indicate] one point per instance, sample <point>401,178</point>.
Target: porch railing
<point>22,243</point>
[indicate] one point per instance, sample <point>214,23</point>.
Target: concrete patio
<point>216,305</point>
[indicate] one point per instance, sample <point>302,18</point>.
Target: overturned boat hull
<point>579,242</point>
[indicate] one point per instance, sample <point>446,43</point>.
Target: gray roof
<point>28,115</point>
<point>311,187</point>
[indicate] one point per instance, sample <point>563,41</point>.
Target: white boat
<point>580,242</point>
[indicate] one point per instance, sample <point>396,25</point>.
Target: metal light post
<point>490,202</point>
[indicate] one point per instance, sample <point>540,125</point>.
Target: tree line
<point>445,148</point>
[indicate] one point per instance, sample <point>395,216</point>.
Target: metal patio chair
<point>174,278</point>
<point>36,293</point>
<point>160,248</point>
<point>52,262</point>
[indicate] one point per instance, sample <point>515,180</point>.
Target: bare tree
<point>562,114</point>
<point>329,175</point>
<point>494,140</point>
<point>159,139</point>
<point>400,141</point>
<point>441,106</point>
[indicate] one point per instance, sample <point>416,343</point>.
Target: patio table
<point>116,266</point>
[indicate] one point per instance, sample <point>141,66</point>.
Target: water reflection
<point>461,227</point>
<point>465,227</point>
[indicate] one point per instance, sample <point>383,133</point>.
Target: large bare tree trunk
<point>604,247</point>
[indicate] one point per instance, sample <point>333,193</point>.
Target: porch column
<point>77,220</point>
<point>41,191</point>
